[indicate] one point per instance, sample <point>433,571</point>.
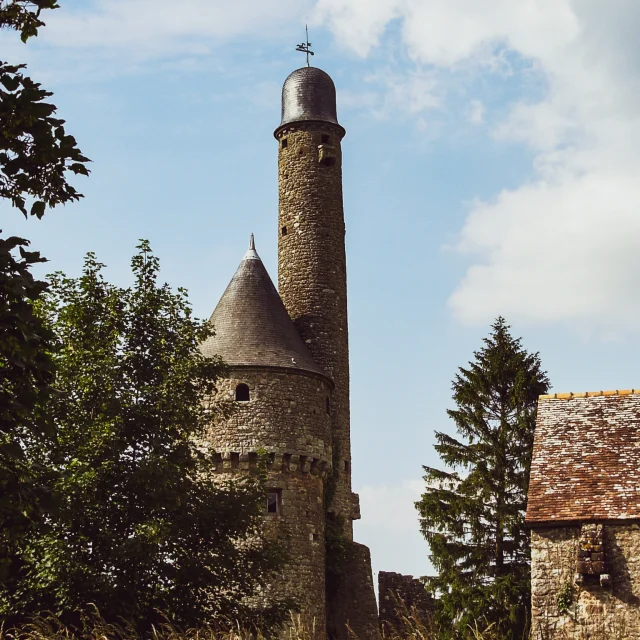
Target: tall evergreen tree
<point>472,514</point>
<point>142,529</point>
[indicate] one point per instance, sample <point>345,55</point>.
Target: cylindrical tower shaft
<point>312,274</point>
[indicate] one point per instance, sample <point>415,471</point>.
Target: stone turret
<point>289,361</point>
<point>312,281</point>
<point>312,266</point>
<point>280,398</point>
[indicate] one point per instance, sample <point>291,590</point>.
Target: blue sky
<point>490,167</point>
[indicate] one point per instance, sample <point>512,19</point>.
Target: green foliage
<point>26,372</point>
<point>35,151</point>
<point>472,515</point>
<point>35,154</point>
<point>565,597</point>
<point>24,15</point>
<point>336,552</point>
<point>335,542</point>
<point>141,524</point>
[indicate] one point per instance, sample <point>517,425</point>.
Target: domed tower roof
<point>252,326</point>
<point>308,94</point>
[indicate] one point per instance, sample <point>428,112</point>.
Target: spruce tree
<point>472,513</point>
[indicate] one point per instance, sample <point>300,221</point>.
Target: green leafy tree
<point>36,153</point>
<point>472,514</point>
<point>142,526</point>
<point>35,156</point>
<point>26,374</point>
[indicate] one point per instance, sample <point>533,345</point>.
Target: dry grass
<point>411,626</point>
<point>93,627</point>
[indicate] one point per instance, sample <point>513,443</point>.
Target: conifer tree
<point>472,514</point>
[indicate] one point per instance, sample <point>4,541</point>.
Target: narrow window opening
<point>347,466</point>
<point>328,161</point>
<point>325,138</point>
<point>284,143</point>
<point>242,393</point>
<point>284,231</point>
<point>274,502</point>
<point>314,537</point>
<point>327,405</point>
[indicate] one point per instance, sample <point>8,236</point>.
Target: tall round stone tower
<point>289,361</point>
<point>312,281</point>
<point>312,266</point>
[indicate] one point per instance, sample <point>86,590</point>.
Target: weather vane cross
<point>305,47</point>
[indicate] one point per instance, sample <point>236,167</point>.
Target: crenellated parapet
<point>282,462</point>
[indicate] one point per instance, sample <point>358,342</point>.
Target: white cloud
<point>475,112</point>
<point>388,513</point>
<point>152,28</point>
<point>357,24</point>
<point>411,93</point>
<point>565,246</point>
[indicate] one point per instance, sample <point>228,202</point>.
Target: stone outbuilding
<point>584,513</point>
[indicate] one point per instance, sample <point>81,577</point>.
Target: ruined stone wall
<point>312,276</point>
<point>352,608</point>
<point>564,610</point>
<point>286,418</point>
<point>398,593</point>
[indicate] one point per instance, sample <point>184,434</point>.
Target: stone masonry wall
<point>352,609</point>
<point>564,610</point>
<point>312,273</point>
<point>286,414</point>
<point>395,592</point>
<point>286,418</point>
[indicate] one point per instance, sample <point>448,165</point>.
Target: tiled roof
<point>252,325</point>
<point>586,458</point>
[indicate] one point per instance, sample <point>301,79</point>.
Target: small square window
<point>325,138</point>
<point>274,502</point>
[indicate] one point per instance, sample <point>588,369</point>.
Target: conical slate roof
<point>252,325</point>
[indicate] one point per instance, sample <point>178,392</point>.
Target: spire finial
<point>305,47</point>
<point>251,254</point>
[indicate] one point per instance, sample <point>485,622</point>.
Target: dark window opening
<point>325,138</point>
<point>347,466</point>
<point>314,537</point>
<point>327,405</point>
<point>242,393</point>
<point>284,231</point>
<point>284,143</point>
<point>328,161</point>
<point>274,502</point>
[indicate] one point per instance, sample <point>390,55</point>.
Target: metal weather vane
<point>305,47</point>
